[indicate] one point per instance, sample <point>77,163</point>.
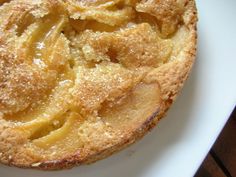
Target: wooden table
<point>221,160</point>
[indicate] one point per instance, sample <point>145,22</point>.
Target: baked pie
<point>82,79</point>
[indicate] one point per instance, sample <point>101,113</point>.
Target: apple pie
<point>82,79</point>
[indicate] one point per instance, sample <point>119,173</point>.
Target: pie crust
<point>82,79</point>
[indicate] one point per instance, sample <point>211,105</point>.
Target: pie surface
<point>81,79</point>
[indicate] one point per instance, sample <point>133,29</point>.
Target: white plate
<point>177,146</point>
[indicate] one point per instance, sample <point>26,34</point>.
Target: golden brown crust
<point>89,114</point>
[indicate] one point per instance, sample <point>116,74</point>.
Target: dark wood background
<point>221,160</point>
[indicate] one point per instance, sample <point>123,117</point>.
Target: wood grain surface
<point>210,168</point>
<point>221,160</point>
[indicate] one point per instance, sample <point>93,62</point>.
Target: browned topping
<point>73,74</point>
<point>132,47</point>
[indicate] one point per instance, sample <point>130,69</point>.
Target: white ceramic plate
<point>177,146</point>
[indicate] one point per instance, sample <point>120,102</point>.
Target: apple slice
<point>142,105</point>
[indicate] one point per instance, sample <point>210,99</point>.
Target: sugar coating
<point>79,78</point>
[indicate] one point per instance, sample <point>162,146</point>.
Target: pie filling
<point>74,75</point>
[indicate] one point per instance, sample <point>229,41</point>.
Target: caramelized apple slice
<point>37,43</point>
<point>141,105</point>
<point>52,111</point>
<point>167,13</point>
<point>100,11</point>
<point>58,134</point>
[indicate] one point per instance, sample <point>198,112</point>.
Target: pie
<point>82,79</point>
